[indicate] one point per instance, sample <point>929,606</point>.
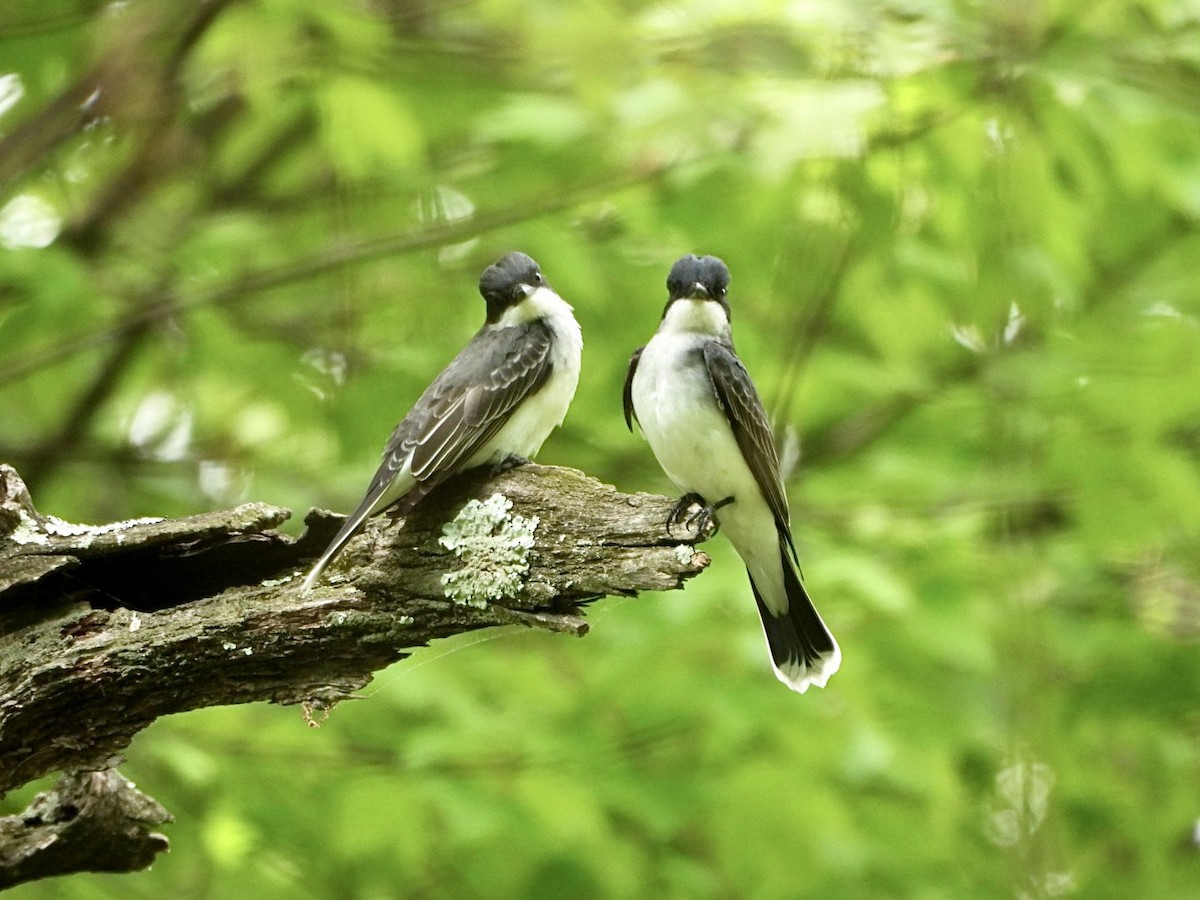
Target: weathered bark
<point>90,822</point>
<point>104,629</point>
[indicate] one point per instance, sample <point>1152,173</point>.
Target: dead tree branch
<point>104,629</point>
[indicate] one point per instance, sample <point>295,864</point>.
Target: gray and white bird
<point>698,409</point>
<point>495,403</point>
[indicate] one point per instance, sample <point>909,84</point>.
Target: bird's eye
<point>537,277</point>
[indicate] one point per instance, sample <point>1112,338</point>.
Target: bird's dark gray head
<point>699,278</point>
<point>508,281</point>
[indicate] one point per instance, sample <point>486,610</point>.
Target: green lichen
<point>494,548</point>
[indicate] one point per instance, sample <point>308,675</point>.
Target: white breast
<point>679,415</point>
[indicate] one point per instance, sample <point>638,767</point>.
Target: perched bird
<point>698,409</point>
<point>495,403</point>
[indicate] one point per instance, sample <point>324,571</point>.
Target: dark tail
<point>397,509</point>
<point>803,651</point>
<point>349,528</point>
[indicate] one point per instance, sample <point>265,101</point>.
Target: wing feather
<point>627,397</point>
<point>744,411</point>
<point>469,402</point>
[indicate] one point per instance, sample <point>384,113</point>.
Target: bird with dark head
<point>507,282</point>
<point>703,418</point>
<point>496,402</point>
<point>699,278</point>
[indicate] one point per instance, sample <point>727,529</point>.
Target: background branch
<point>337,256</point>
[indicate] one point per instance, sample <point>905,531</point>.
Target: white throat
<point>687,316</point>
<point>543,303</point>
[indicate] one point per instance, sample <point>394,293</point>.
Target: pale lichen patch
<point>32,531</point>
<point>28,531</point>
<point>494,548</point>
<point>54,525</point>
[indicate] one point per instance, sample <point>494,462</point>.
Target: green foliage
<point>963,241</point>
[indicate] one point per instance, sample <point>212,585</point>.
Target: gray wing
<point>744,411</point>
<point>630,412</point>
<point>467,404</point>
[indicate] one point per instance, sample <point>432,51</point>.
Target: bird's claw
<point>702,518</point>
<point>509,462</point>
<point>682,505</point>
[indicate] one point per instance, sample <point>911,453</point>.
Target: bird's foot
<point>682,505</point>
<point>509,462</point>
<point>702,518</point>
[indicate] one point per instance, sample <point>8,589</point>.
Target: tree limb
<point>104,629</point>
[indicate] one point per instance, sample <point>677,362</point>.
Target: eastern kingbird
<point>698,408</point>
<point>496,402</point>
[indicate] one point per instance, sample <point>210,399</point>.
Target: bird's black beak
<point>699,292</point>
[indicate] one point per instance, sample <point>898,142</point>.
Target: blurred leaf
<point>367,129</point>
